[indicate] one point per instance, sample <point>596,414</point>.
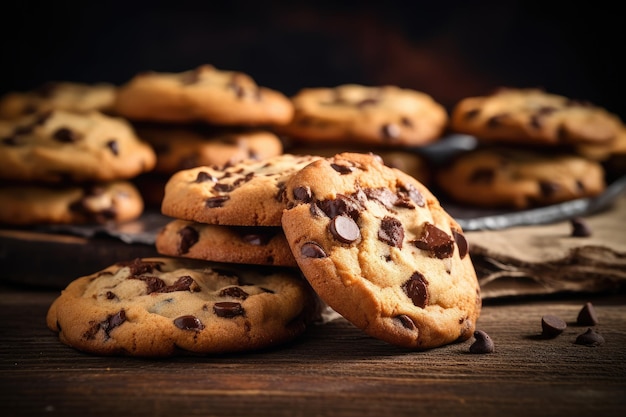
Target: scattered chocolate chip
<point>227,309</point>
<point>312,250</point>
<point>552,326</point>
<point>344,229</point>
<point>435,241</point>
<point>188,323</point>
<point>580,228</point>
<point>391,232</point>
<point>482,344</point>
<point>461,243</point>
<point>587,316</point>
<point>188,237</point>
<point>214,202</point>
<point>590,338</point>
<point>416,288</point>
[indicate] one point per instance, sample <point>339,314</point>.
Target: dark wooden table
<point>333,370</point>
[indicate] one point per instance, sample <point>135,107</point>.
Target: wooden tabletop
<point>332,370</point>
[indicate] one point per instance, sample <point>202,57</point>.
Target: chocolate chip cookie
<point>378,248</point>
<point>159,307</point>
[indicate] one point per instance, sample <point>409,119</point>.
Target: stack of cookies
<point>64,160</point>
<point>534,149</point>
<point>201,117</point>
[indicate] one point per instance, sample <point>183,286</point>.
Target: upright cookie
<point>183,148</point>
<point>26,204</point>
<point>357,114</point>
<point>260,245</point>
<point>162,307</point>
<point>534,117</point>
<point>378,248</point>
<point>59,95</point>
<point>249,193</point>
<point>205,94</point>
<point>506,177</point>
<point>66,146</point>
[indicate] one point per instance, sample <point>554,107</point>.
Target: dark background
<point>449,49</point>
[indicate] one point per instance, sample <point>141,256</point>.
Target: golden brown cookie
<point>378,248</point>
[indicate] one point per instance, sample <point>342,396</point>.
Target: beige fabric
<point>548,259</point>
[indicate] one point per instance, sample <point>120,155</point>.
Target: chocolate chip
<point>496,121</point>
<point>412,193</point>
<point>257,239</point>
<point>303,194</point>
<point>107,325</point>
<point>65,135</point>
<point>341,205</point>
<point>580,228</point>
<point>482,176</point>
<point>461,243</point>
<point>204,176</point>
<point>188,323</point>
<point>472,114</point>
<point>10,141</point>
<point>390,131</point>
<point>312,250</point>
<point>483,343</point>
<point>391,232</point>
<point>383,195</point>
<point>228,309</point>
<point>344,229</point>
<point>552,326</point>
<point>435,241</point>
<point>548,188</point>
<point>110,295</point>
<point>590,338</point>
<point>153,284</point>
<point>235,292</point>
<point>342,169</point>
<point>183,283</point>
<point>137,266</point>
<point>114,147</point>
<point>218,201</point>
<point>188,237</point>
<point>416,288</point>
<point>406,321</point>
<point>587,316</point>
<point>220,187</point>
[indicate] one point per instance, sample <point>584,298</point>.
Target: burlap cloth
<point>547,259</point>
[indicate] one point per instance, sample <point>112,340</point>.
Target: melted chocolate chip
<point>188,237</point>
<point>409,190</point>
<point>220,187</point>
<point>406,321</point>
<point>204,177</point>
<point>228,309</point>
<point>435,241</point>
<point>153,284</point>
<point>139,267</point>
<point>107,325</point>
<point>416,288</point>
<point>383,195</point>
<point>461,243</point>
<point>218,201</point>
<point>183,283</point>
<point>483,343</point>
<point>344,229</point>
<point>391,232</point>
<point>341,205</point>
<point>342,169</point>
<point>303,194</point>
<point>188,323</point>
<point>312,250</point>
<point>236,292</point>
<point>65,135</point>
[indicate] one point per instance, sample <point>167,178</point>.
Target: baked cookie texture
<point>59,95</point>
<point>62,146</point>
<point>358,114</point>
<point>378,248</point>
<point>531,116</point>
<point>514,178</point>
<point>249,193</point>
<point>28,204</point>
<point>160,307</point>
<point>204,94</point>
<point>237,244</point>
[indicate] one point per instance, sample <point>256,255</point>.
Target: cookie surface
<point>65,146</point>
<point>357,114</point>
<point>378,248</point>
<point>26,204</point>
<point>248,193</point>
<point>166,306</point>
<point>534,117</point>
<point>205,94</point>
<point>183,148</point>
<point>60,95</point>
<point>260,245</point>
<point>505,177</point>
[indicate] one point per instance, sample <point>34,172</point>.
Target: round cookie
<point>260,245</point>
<point>506,177</point>
<point>534,117</point>
<point>357,114</point>
<point>378,248</point>
<point>205,94</point>
<point>183,148</point>
<point>59,95</point>
<point>249,193</point>
<point>159,307</point>
<point>26,204</point>
<point>65,146</point>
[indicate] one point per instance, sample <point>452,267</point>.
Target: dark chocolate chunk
<point>587,316</point>
<point>406,321</point>
<point>65,135</point>
<point>153,284</point>
<point>303,194</point>
<point>461,243</point>
<point>217,201</point>
<point>552,326</point>
<point>183,283</point>
<point>228,309</point>
<point>138,267</point>
<point>107,325</point>
<point>580,228</point>
<point>383,195</point>
<point>188,323</point>
<point>344,229</point>
<point>236,292</point>
<point>341,205</point>
<point>412,193</point>
<point>590,338</point>
<point>312,250</point>
<point>482,344</point>
<point>204,176</point>
<point>391,232</point>
<point>416,288</point>
<point>220,187</point>
<point>188,237</point>
<point>435,241</point>
<point>342,169</point>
